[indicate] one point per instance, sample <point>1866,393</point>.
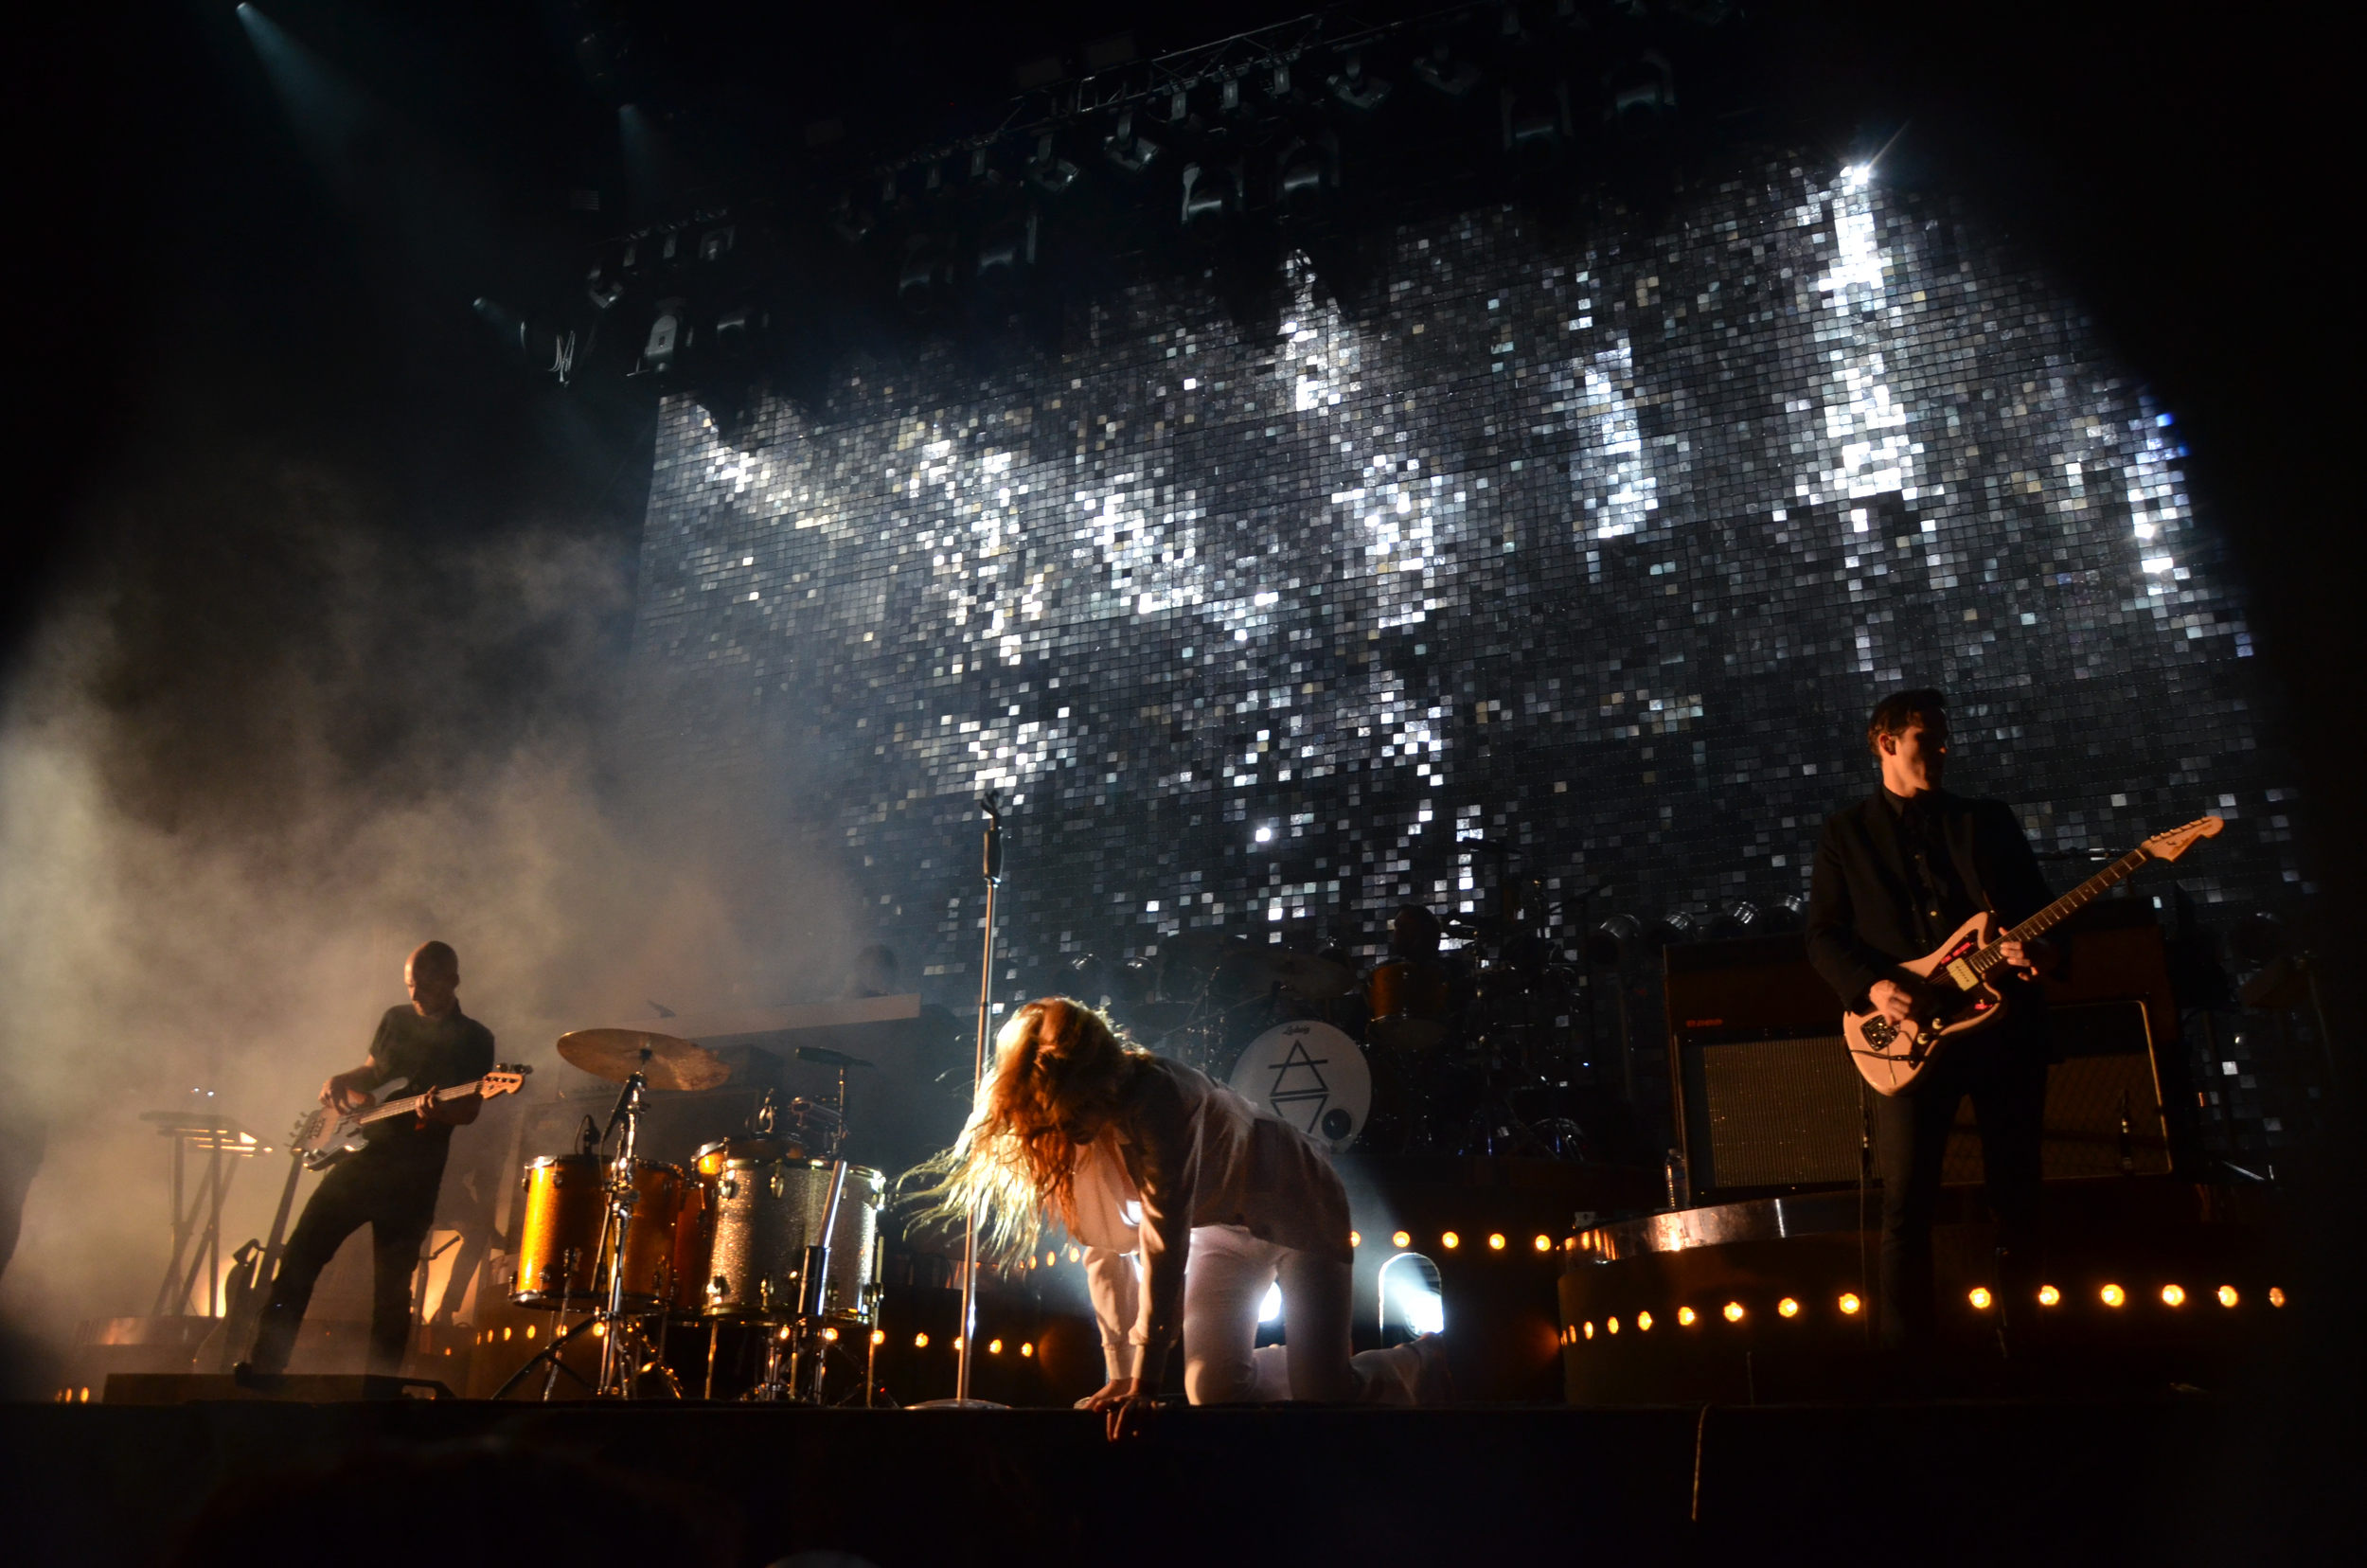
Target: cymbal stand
<point>617,1368</point>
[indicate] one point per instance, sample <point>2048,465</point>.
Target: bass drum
<point>565,1250</point>
<point>1310,1074</point>
<point>767,1211</point>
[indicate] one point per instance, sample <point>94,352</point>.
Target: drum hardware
<point>636,1060</point>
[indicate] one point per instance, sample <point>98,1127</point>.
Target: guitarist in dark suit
<point>390,1184</point>
<point>1895,875</point>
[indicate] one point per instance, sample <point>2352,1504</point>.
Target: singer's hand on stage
<point>1892,1000</point>
<point>1117,1391</point>
<point>1125,1418</point>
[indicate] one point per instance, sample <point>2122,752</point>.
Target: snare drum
<point>1409,1003</point>
<point>767,1211</point>
<point>563,1248</point>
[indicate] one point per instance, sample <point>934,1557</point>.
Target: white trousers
<point>1226,1281</point>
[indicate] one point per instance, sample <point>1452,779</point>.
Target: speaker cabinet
<point>1766,1096</point>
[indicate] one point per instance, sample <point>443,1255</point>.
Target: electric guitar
<point>1956,995</point>
<point>323,1141</point>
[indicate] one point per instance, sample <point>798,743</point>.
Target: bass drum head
<point>1311,1075</point>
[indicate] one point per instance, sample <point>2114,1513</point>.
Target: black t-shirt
<point>425,1053</point>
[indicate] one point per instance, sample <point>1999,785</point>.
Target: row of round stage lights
<point>1850,1304</point>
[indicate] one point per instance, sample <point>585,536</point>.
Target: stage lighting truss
<point>1243,130</point>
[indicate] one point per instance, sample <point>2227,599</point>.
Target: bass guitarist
<point>390,1183</point>
<point>1896,873</point>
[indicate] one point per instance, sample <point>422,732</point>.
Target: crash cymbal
<point>663,1062</point>
<point>1318,979</point>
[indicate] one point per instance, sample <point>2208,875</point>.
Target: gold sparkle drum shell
<point>767,1211</point>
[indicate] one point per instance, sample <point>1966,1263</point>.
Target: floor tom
<point>565,1250</point>
<point>767,1211</point>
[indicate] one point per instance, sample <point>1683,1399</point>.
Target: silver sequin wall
<point>1601,544</point>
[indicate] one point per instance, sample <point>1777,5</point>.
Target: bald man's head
<point>432,977</point>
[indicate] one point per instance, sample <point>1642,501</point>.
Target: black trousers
<point>2005,1074</point>
<point>396,1198</point>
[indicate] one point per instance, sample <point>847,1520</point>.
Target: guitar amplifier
<point>1768,1098</point>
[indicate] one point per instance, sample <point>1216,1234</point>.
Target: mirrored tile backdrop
<point>1597,548</point>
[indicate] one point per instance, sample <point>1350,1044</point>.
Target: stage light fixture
<point>1209,197</point>
<point>1356,1239</point>
<point>829,1336</point>
<point>957,1342</point>
<point>1544,1243</point>
<point>1787,1308</point>
<point>1127,151</point>
<point>2228,1296</point>
<point>1399,1238</point>
<point>2049,1295</point>
<point>1534,123</point>
<point>925,275</point>
<point>921,1342</point>
<point>1027,1347</point>
<point>994,1348</point>
<point>1980,1297</point>
<point>1007,250</point>
<point>1849,1304</point>
<point>1589,1329</point>
<point>669,336</point>
<point>529,1330</point>
<point>1612,1324</point>
<point>1451,1240</point>
<point>2173,1295</point>
<point>1687,1317</point>
<point>1356,88</point>
<point>1443,74</point>
<point>1643,1322</point>
<point>2276,1295</point>
<point>1496,1242</point>
<point>1734,1311</point>
<point>879,1336</point>
<point>1642,92</point>
<point>1269,1307</point>
<point>2113,1295</point>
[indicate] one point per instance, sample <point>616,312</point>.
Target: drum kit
<point>1467,1038</point>
<point>754,1233</point>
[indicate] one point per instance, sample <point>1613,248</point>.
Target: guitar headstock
<point>2169,846</point>
<point>508,1078</point>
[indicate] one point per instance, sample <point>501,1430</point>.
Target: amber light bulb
<point>1400,1239</point>
<point>1849,1304</point>
<point>1734,1311</point>
<point>1643,1322</point>
<point>2228,1296</point>
<point>2049,1295</point>
<point>1980,1297</point>
<point>2113,1295</point>
<point>1687,1317</point>
<point>1451,1240</point>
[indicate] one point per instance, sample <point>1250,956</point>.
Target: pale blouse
<point>1190,1152</point>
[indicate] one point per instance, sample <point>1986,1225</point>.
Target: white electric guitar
<point>1955,995</point>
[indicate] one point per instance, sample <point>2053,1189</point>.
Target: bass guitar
<point>1955,991</point>
<point>327,1137</point>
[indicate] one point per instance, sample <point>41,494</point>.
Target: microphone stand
<point>993,868</point>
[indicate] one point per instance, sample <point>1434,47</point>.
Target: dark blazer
<point>1861,901</point>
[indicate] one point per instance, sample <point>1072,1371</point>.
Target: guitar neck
<point>2063,908</point>
<point>410,1103</point>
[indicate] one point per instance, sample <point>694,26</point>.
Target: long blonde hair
<point>1055,1062</point>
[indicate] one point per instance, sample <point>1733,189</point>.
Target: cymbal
<point>664,1061</point>
<point>1316,978</point>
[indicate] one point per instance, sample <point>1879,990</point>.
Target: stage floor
<point>2175,1479</point>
